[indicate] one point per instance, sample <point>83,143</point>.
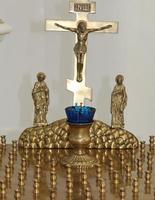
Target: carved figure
<point>40,95</point>
<point>80,48</point>
<point>118,103</point>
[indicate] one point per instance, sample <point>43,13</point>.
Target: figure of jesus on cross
<point>81,27</point>
<point>80,48</point>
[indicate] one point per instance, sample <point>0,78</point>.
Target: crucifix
<point>81,27</point>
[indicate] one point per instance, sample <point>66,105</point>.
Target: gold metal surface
<point>79,139</point>
<point>40,95</point>
<point>60,183</point>
<point>80,48</point>
<point>82,6</point>
<point>55,135</point>
<point>118,103</point>
<point>81,26</point>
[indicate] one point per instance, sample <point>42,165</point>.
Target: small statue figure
<point>80,48</point>
<point>118,103</point>
<point>40,95</point>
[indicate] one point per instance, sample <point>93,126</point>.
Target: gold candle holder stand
<point>79,138</point>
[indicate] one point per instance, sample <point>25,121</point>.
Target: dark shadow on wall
<point>104,101</point>
<point>25,100</point>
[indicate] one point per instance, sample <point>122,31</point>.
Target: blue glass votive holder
<point>80,114</point>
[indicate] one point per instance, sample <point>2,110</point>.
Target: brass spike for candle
<point>52,194</point>
<point>128,172</point>
<point>7,172</point>
<point>69,186</point>
<point>133,156</point>
<point>8,183</point>
<point>2,190</point>
<point>139,168</point>
<point>149,161</point>
<point>98,174</point>
<point>142,147</point>
<point>111,168</point>
<point>147,178</point>
<point>53,176</point>
<point>148,189</point>
<point>122,193</point>
<point>24,166</point>
<point>14,145</point>
<point>53,165</point>
<point>69,171</point>
<point>116,180</point>
<point>88,194</point>
<point>21,181</point>
<point>102,190</point>
<point>37,172</point>
<point>3,141</point>
<point>11,159</point>
<point>135,186</point>
<point>84,180</point>
<point>152,144</point>
<point>26,153</point>
<point>122,158</point>
<point>18,195</point>
<point>53,179</point>
<point>39,158</point>
<point>36,186</point>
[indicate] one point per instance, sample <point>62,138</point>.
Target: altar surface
<point>110,162</point>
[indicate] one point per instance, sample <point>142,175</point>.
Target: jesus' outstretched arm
<point>66,28</point>
<point>99,29</point>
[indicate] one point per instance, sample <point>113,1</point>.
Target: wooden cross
<point>81,8</point>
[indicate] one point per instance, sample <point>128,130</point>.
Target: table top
<point>109,162</point>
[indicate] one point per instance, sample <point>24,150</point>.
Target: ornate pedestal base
<point>79,160</point>
<point>55,135</point>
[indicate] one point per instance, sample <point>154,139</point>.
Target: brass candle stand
<point>79,138</point>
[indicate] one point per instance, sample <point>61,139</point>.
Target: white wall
<point>28,50</point>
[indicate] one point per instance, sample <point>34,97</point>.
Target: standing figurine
<point>118,103</point>
<point>40,95</point>
<point>80,48</point>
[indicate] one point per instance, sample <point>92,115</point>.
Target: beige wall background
<point>29,49</point>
